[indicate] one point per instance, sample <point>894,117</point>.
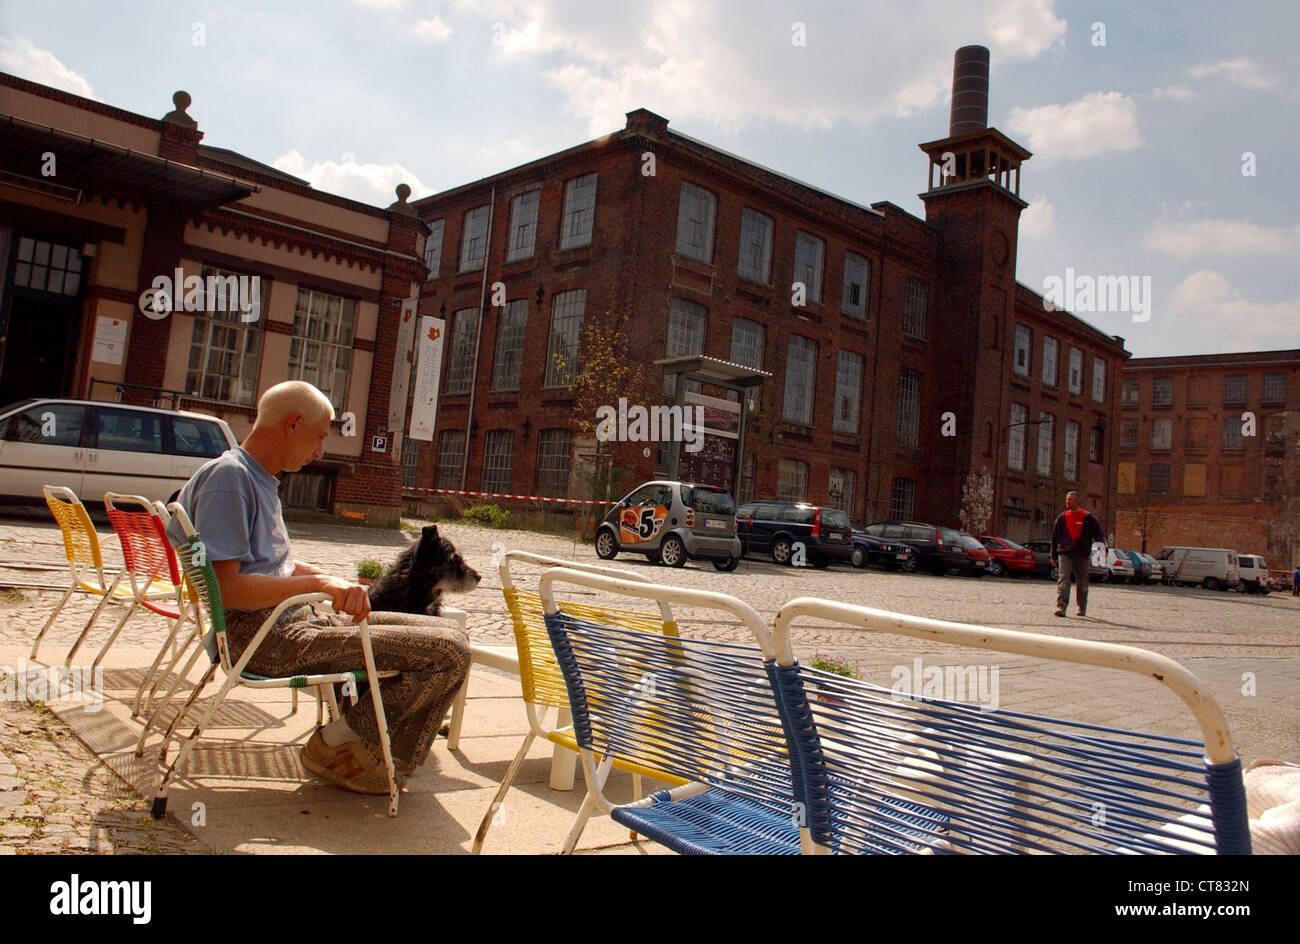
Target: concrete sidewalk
<point>245,791</point>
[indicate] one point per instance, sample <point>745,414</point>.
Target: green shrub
<point>833,664</point>
<point>493,516</point>
<point>369,569</point>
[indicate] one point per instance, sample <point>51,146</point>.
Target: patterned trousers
<point>433,661</point>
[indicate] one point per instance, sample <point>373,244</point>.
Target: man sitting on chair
<point>234,503</point>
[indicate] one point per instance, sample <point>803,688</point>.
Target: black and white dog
<point>416,581</point>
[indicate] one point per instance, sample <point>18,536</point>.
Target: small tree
<point>607,370</point>
<point>1146,515</point>
<point>976,501</point>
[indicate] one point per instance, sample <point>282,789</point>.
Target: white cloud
<point>510,152</point>
<point>1243,72</point>
<point>1222,237</point>
<point>20,56</point>
<point>433,29</point>
<point>736,66</point>
<point>1178,93</point>
<point>1097,123</point>
<point>369,183</point>
<point>1208,300</point>
<point>380,4</point>
<point>1036,221</point>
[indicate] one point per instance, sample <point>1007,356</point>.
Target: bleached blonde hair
<point>293,396</point>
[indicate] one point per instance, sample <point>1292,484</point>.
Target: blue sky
<point>1138,143</point>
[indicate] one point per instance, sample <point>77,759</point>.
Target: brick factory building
<point>96,202</point>
<point>903,353</point>
<point>1209,453</point>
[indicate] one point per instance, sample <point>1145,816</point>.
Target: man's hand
<point>1052,560</point>
<point>348,597</point>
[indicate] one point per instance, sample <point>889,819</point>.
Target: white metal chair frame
<point>234,676</point>
<point>537,720</point>
<point>596,771</point>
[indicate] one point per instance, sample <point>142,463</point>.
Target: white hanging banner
<point>428,367</point>
<point>402,365</point>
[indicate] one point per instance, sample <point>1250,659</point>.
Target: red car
<point>1007,557</point>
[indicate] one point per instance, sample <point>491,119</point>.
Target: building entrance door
<point>39,320</point>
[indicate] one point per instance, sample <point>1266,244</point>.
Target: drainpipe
<point>478,338</point>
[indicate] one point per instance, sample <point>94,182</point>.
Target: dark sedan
<point>891,555</point>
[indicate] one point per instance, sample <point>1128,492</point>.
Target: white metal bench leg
<point>564,762</point>
<point>457,716</point>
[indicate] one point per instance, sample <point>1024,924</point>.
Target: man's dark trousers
<point>1078,566</point>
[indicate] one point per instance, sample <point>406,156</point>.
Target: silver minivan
<point>93,447</point>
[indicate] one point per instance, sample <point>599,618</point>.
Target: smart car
<point>673,522</point>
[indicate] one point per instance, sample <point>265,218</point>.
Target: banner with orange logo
<point>402,365</point>
<point>428,368</point>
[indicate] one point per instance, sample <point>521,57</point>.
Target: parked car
<point>1157,568</point>
<point>891,555</point>
<point>1108,563</point>
<point>1043,566</point>
<point>936,549</point>
<point>93,447</point>
<point>1253,574</point>
<point>1007,557</point>
<point>1214,568</point>
<point>1141,568</point>
<point>778,528</point>
<point>977,553</point>
<point>672,522</point>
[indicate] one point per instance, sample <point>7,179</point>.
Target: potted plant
<point>835,666</point>
<point>368,571</point>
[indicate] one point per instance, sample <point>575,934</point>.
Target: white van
<point>1214,568</point>
<point>1254,573</point>
<point>93,447</point>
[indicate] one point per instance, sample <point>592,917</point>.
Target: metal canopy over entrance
<point>714,439</point>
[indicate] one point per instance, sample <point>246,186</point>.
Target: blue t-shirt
<point>234,504</point>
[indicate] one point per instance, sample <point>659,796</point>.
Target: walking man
<point>1073,535</point>
<point>1295,582</point>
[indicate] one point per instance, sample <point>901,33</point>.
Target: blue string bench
<point>701,711</point>
<point>884,772</point>
<point>783,759</point>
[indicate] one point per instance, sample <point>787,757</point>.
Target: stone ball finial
<point>177,115</point>
<point>402,191</point>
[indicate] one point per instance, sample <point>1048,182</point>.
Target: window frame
<point>848,389</point>
<point>573,298</point>
<point>492,465</point>
<point>578,219</point>
<point>765,247</point>
<point>521,240</point>
<point>473,239</point>
<point>863,266</point>
<point>508,353</point>
<point>697,215</point>
<point>342,349</point>
<point>793,408</point>
<point>809,271</point>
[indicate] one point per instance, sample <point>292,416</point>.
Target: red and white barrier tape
<point>538,498</point>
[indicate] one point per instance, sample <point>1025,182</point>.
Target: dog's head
<point>437,556</point>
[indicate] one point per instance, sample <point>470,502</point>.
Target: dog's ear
<point>430,533</point>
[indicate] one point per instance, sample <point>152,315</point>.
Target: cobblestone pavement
<point>56,796</point>
<point>1245,649</point>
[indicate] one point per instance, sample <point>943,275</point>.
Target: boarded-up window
<point>1198,390</point>
<point>1194,479</point>
<point>1127,478</point>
